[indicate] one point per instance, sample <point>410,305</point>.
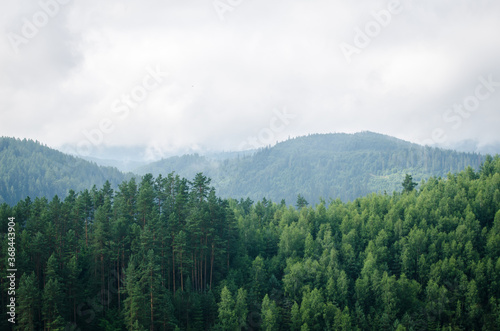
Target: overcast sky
<point>231,74</point>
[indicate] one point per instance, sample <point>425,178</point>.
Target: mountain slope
<point>28,168</point>
<point>344,166</point>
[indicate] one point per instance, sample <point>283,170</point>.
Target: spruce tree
<point>28,302</point>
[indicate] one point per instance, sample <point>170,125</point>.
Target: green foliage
<point>269,314</point>
<point>31,169</point>
<point>168,254</point>
<point>29,301</point>
<point>301,202</point>
<point>344,166</point>
<point>296,318</point>
<point>241,308</point>
<point>227,316</point>
<point>312,308</point>
<point>408,184</point>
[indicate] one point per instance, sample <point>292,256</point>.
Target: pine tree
<point>301,202</point>
<point>73,284</point>
<point>408,184</point>
<point>134,304</point>
<point>51,303</point>
<point>145,199</point>
<point>28,302</point>
<point>150,278</point>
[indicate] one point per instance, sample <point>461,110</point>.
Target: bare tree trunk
<point>201,271</point>
<point>173,268</point>
<point>162,264</point>
<point>211,266</point>
<point>86,234</point>
<point>205,276</point>
<point>118,277</point>
<point>195,272</point>
<point>182,281</point>
<point>192,277</point>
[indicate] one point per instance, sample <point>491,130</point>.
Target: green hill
<point>28,168</point>
<point>344,166</point>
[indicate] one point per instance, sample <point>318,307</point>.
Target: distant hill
<point>28,168</point>
<point>344,166</point>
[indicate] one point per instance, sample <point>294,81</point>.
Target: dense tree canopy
<point>344,166</point>
<point>29,168</point>
<point>166,253</point>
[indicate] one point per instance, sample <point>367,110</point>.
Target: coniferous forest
<point>344,166</point>
<point>167,253</point>
<point>29,168</point>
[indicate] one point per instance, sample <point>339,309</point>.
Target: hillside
<point>344,166</point>
<point>28,168</point>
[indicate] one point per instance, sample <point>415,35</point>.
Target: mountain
<point>344,166</point>
<point>125,163</point>
<point>128,158</point>
<point>339,165</point>
<point>28,168</point>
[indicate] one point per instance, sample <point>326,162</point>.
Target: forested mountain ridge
<point>28,168</point>
<point>168,254</point>
<point>340,165</point>
<point>344,166</point>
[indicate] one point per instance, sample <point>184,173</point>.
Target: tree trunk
<point>195,272</point>
<point>118,278</point>
<point>192,277</point>
<point>173,269</point>
<point>162,264</point>
<point>86,234</point>
<point>205,275</point>
<point>200,267</point>
<point>182,281</point>
<point>102,279</point>
<point>211,266</point>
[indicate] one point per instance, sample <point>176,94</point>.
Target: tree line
<point>344,166</point>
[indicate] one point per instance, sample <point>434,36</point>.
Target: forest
<point>339,165</point>
<point>167,253</point>
<point>29,168</point>
<point>344,166</point>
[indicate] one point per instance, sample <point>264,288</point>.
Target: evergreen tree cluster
<point>168,254</point>
<point>29,168</point>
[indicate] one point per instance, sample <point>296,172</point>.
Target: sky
<point>174,76</point>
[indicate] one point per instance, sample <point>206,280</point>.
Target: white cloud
<point>226,77</point>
